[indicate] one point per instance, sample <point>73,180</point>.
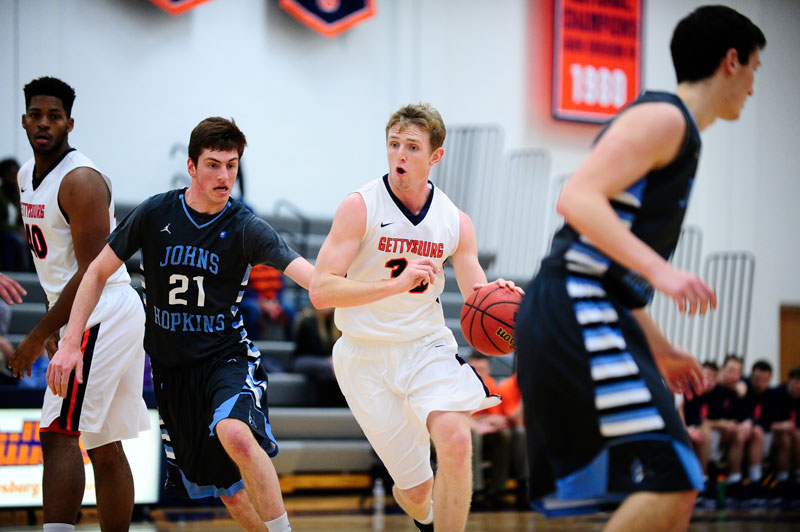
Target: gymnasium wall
<point>314,108</point>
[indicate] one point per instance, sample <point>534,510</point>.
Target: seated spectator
<point>315,333</point>
<point>786,427</point>
<point>731,430</point>
<point>695,415</point>
<point>511,407</point>
<point>491,440</point>
<point>265,312</point>
<point>14,254</point>
<point>760,411</point>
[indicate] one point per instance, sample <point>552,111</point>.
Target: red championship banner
<point>329,17</point>
<point>176,7</point>
<point>597,54</point>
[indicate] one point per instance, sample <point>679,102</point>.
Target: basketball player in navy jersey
<point>197,247</point>
<point>381,266</point>
<point>68,210</point>
<point>592,361</point>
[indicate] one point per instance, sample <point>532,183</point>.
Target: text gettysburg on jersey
<point>417,247</point>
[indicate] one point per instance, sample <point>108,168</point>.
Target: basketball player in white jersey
<point>68,212</point>
<point>381,266</point>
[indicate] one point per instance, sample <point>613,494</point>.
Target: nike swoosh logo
<point>385,224</point>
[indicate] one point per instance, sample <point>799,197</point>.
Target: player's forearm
<point>86,298</point>
<point>300,271</point>
<point>591,214</point>
<point>57,315</point>
<point>330,290</point>
<point>468,273</point>
<point>656,339</point>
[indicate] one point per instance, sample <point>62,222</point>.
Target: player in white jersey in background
<point>68,212</point>
<point>381,266</point>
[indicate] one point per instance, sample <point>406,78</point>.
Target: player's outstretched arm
<point>679,368</point>
<point>84,197</point>
<point>300,271</point>
<point>643,138</point>
<point>11,291</point>
<point>469,273</point>
<point>68,356</point>
<point>330,287</point>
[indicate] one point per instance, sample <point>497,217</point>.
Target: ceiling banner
<point>329,17</point>
<point>597,58</point>
<point>176,7</point>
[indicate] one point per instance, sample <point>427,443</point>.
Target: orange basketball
<point>487,319</point>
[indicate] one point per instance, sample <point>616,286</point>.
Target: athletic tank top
<point>48,231</point>
<point>653,208</point>
<point>394,236</point>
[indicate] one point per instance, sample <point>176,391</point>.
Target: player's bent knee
<point>236,438</point>
<point>454,447</point>
<point>418,494</point>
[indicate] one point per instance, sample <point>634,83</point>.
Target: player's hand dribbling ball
<point>487,319</point>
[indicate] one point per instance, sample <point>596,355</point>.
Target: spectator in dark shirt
<point>695,416</point>
<point>14,255</point>
<point>760,411</point>
<point>786,427</point>
<point>727,417</point>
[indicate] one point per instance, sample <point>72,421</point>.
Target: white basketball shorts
<point>391,389</point>
<point>108,406</point>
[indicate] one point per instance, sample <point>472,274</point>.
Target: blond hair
<point>425,117</point>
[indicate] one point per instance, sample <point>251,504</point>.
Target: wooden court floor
<point>350,514</point>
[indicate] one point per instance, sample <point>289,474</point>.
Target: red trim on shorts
<point>55,428</point>
<point>74,395</point>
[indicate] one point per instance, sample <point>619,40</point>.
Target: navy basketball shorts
<point>191,401</point>
<point>600,419</point>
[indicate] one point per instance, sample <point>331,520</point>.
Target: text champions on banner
<point>597,53</point>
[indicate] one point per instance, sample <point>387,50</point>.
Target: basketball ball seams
<point>487,319</point>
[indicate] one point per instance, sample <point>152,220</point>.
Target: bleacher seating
<point>325,443</point>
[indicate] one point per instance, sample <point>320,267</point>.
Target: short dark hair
<point>48,86</point>
<point>794,373</point>
<point>762,365</point>
<point>701,40</point>
<point>734,357</point>
<point>710,364</point>
<point>7,164</point>
<point>216,133</point>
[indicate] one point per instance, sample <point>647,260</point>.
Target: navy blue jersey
<point>653,208</point>
<point>195,269</point>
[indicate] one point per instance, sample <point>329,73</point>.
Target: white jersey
<point>394,236</point>
<point>48,231</point>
